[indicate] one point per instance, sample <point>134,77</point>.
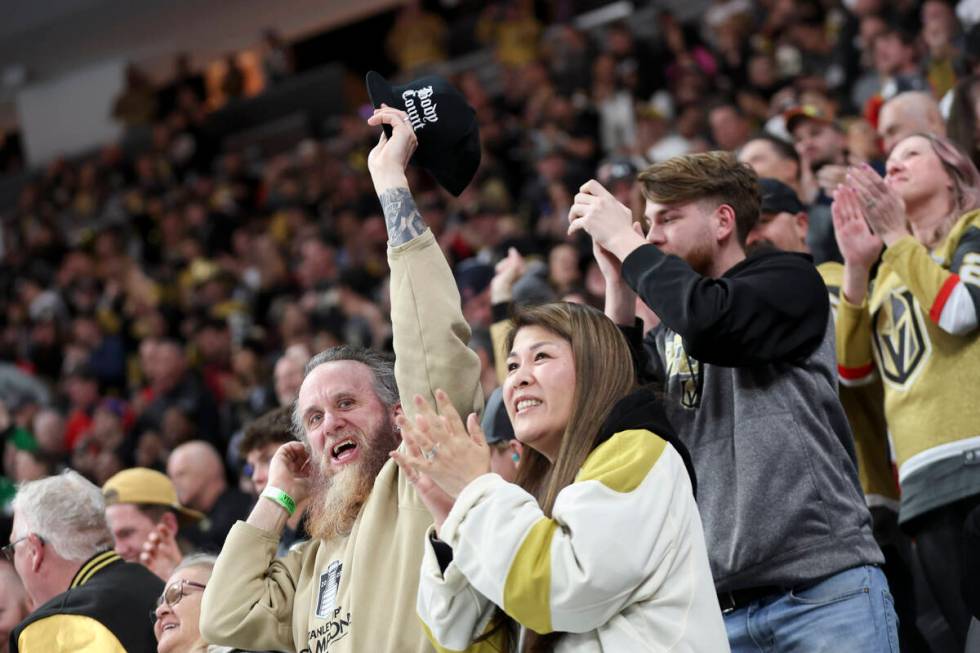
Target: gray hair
<point>67,512</point>
<point>206,560</point>
<point>382,368</point>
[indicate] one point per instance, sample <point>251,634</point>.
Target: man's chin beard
<point>337,500</point>
<point>700,258</point>
<point>338,496</point>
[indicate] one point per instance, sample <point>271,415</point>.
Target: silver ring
<point>430,455</point>
<point>869,204</point>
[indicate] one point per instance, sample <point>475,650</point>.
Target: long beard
<point>338,496</point>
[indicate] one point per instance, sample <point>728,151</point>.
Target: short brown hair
<point>274,427</point>
<point>716,176</point>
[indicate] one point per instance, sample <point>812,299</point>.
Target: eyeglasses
<point>8,549</point>
<point>173,594</point>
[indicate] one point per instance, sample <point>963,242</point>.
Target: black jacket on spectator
<point>209,533</point>
<point>119,595</point>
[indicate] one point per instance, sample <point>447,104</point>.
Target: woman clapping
<point>598,546</point>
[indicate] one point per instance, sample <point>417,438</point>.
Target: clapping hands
<point>438,447</point>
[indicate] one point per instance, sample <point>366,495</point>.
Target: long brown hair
<point>604,374</point>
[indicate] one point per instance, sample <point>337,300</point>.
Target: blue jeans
<point>851,611</point>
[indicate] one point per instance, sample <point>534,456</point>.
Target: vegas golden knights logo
<point>901,340</point>
<point>682,370</point>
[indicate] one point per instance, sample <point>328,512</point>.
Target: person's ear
<point>169,521</point>
<point>802,222</point>
<point>396,410</point>
<point>37,551</point>
<point>724,218</point>
<point>516,449</point>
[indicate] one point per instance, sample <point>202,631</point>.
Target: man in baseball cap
<point>783,221</point>
<point>822,147</point>
<point>139,502</point>
<point>445,125</point>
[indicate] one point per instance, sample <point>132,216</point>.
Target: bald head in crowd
<point>912,112</point>
<point>14,603</point>
<point>197,473</point>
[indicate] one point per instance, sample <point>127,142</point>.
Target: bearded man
<point>352,587</point>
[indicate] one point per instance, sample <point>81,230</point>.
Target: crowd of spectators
<point>153,306</point>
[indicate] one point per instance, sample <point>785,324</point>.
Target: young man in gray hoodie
<point>745,353</point>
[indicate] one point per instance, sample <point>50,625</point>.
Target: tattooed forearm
<point>402,218</point>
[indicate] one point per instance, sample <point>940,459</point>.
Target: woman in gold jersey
<point>915,325</point>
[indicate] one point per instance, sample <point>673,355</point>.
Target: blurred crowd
<point>172,297</point>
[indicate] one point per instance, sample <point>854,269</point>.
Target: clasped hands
<point>864,194</point>
<point>607,220</point>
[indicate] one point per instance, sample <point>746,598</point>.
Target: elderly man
<point>911,112</point>
<point>353,586</point>
<point>141,501</point>
<point>88,598</point>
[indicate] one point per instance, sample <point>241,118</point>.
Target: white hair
<point>67,512</point>
<point>204,560</point>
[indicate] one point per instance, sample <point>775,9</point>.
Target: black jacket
<point>120,595</point>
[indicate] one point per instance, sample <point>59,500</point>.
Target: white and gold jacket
<point>620,566</point>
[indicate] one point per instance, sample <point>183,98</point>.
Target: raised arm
<point>430,333</point>
<point>860,248</point>
<point>776,310</point>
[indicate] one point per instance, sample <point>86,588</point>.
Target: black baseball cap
<point>496,423</point>
<point>446,127</point>
<point>777,197</point>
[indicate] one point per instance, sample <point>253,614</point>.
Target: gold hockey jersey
<point>918,331</point>
<point>865,407</point>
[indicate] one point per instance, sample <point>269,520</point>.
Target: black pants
<point>938,545</point>
<point>897,549</point>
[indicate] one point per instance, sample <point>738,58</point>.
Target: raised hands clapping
<point>440,448</point>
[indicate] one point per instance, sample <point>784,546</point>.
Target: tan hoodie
<point>356,594</point>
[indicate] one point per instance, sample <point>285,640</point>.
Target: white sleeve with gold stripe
<point>453,613</point>
<point>624,544</point>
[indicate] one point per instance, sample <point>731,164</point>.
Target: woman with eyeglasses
<point>178,612</point>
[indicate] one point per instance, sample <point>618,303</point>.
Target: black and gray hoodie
<point>748,365</point>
